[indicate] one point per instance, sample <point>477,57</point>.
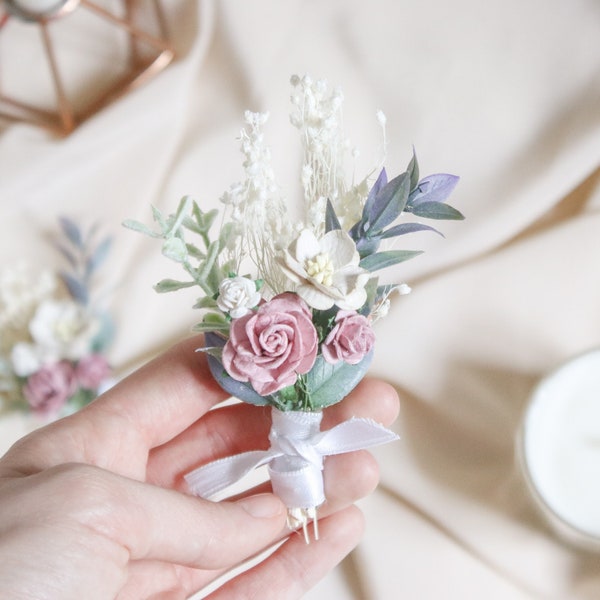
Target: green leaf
<point>174,248</point>
<point>413,171</point>
<point>331,220</point>
<point>327,383</point>
<point>205,270</point>
<point>212,322</point>
<point>404,228</point>
<point>183,210</point>
<point>171,285</point>
<point>140,227</point>
<point>207,327</point>
<point>437,210</point>
<point>158,218</point>
<point>381,260</point>
<point>205,302</point>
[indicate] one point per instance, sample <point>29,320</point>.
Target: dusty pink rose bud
<point>48,389</point>
<point>350,340</point>
<point>92,370</point>
<point>271,346</point>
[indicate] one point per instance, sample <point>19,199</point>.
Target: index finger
<point>165,396</point>
<point>117,430</point>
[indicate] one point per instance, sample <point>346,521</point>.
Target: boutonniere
<point>289,306</point>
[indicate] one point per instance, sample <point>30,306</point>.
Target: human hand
<point>93,506</point>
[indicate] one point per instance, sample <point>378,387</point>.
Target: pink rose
<point>49,388</point>
<point>350,340</point>
<point>271,346</point>
<point>92,370</point>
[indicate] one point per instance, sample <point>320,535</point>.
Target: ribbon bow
<point>295,459</point>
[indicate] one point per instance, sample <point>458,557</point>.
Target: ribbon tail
<point>214,477</point>
<point>354,434</point>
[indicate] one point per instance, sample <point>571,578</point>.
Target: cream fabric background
<point>504,93</point>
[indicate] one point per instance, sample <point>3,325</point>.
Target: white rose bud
<point>237,295</point>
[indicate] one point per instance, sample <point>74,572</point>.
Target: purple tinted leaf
<point>389,203</point>
<point>72,232</point>
<point>437,210</point>
<point>69,256</point>
<point>413,170</point>
<point>434,188</point>
<point>405,228</point>
<point>98,256</point>
<point>359,229</point>
<point>76,288</point>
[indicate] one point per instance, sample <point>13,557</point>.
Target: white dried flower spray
<point>256,208</point>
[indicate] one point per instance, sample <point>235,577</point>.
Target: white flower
<point>26,358</point>
<point>326,270</point>
<point>64,329</point>
<point>237,295</point>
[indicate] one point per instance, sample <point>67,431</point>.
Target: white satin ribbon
<point>295,457</point>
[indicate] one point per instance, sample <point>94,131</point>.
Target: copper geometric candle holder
<point>132,46</point>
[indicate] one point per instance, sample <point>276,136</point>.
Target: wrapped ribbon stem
<point>295,461</point>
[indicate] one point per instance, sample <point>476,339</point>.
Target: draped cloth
<point>504,93</point>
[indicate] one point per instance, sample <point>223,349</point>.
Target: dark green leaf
<point>405,228</point>
<point>437,210</point>
<point>413,170</point>
<point>381,260</point>
<point>331,220</point>
<point>328,383</point>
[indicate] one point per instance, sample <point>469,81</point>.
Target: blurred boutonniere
<point>55,328</point>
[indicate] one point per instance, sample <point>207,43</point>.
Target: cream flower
<point>64,329</point>
<point>237,295</point>
<point>326,270</point>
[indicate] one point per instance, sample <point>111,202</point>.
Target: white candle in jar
<point>38,7</point>
<point>560,449</point>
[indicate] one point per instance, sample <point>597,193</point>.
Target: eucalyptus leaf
<point>404,228</point>
<point>382,260</point>
<point>437,210</point>
<point>328,383</point>
<point>238,389</point>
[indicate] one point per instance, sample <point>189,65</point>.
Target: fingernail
<point>262,506</point>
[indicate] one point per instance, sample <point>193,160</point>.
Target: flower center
<point>320,268</point>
